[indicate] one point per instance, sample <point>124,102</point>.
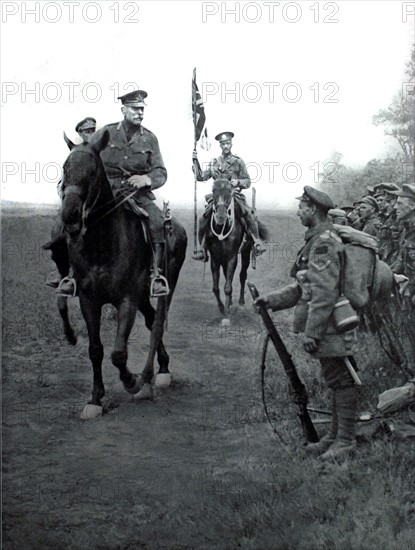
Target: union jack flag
<point>199,117</point>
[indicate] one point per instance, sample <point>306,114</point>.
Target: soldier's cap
<point>320,199</point>
<point>386,187</point>
<point>408,191</point>
<point>223,136</point>
<point>337,213</point>
<point>370,189</point>
<point>134,99</point>
<point>86,124</point>
<point>371,201</point>
<point>347,209</point>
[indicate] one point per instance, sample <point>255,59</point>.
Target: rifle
<point>298,394</point>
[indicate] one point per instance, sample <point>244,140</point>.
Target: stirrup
<point>259,248</point>
<point>67,280</point>
<point>53,279</point>
<point>162,279</point>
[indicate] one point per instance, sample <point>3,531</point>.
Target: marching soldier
<point>227,166</point>
<point>368,209</point>
<point>314,294</point>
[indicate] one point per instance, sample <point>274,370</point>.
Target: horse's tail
<point>263,231</point>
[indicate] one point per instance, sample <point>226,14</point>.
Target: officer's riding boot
<point>252,224</point>
<point>158,284</point>
<point>346,410</point>
<point>59,250</point>
<point>325,442</point>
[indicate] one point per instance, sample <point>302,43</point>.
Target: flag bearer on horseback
<point>231,167</point>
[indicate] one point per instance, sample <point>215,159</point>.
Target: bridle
<point>230,219</point>
<point>88,211</point>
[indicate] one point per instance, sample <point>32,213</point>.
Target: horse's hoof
<point>225,323</point>
<point>163,379</point>
<point>146,392</point>
<point>136,387</point>
<point>91,411</point>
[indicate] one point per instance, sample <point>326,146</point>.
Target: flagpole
<point>194,167</point>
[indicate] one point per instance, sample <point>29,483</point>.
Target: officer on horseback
<point>85,129</point>
<point>132,161</point>
<point>231,167</point>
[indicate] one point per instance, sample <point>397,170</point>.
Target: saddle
<point>130,203</point>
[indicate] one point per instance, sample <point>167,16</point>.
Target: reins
<point>231,218</point>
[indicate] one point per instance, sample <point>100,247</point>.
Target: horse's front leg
<point>91,310</point>
<point>245,260</point>
<point>229,271</point>
<point>126,317</point>
<point>215,267</point>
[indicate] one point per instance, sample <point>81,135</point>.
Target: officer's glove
<point>139,182</point>
<point>234,182</point>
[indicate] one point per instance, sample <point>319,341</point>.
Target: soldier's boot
<point>345,439</point>
<point>202,254</point>
<point>59,251</point>
<point>259,247</point>
<point>159,285</point>
<point>325,442</point>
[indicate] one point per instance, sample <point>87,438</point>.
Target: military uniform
<point>228,167</point>
<point>372,225</point>
<point>85,128</point>
<point>405,264</point>
<point>138,154</point>
<point>314,295</point>
<point>388,244</point>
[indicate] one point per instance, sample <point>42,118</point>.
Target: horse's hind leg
<point>163,377</point>
<point>119,356</point>
<point>92,315</point>
<point>162,356</point>
<point>245,259</point>
<point>63,310</point>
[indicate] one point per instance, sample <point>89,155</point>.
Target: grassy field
<point>198,467</point>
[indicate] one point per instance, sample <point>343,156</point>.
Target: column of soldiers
<point>388,213</point>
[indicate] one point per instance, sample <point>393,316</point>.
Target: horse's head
<point>82,172</point>
<point>222,197</point>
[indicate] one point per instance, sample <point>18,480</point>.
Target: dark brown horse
<point>224,237</point>
<point>110,256</point>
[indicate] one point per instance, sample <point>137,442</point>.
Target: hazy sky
<point>270,58</point>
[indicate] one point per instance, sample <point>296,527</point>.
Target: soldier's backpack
<point>366,277</point>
